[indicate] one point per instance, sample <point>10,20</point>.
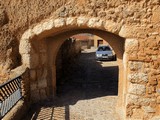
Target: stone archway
<point>49,35</point>
<point>49,30</point>
<point>136,21</point>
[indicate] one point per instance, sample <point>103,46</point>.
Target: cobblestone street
<point>89,92</point>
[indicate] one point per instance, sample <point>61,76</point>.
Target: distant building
<point>85,39</point>
<point>89,40</point>
<point>99,41</point>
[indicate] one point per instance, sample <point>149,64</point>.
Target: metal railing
<point>10,94</point>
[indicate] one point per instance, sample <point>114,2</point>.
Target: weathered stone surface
<point>59,22</point>
<point>42,81</point>
<point>138,78</point>
<point>112,26</point>
<point>48,25</point>
<point>135,65</point>
<point>26,60</point>
<point>95,23</point>
<point>148,109</point>
<point>137,89</point>
<point>82,21</point>
<point>129,31</point>
<point>27,34</point>
<point>37,29</point>
<point>71,21</point>
<point>132,99</point>
<point>25,47</point>
<point>156,118</point>
<point>131,46</point>
<point>137,100</point>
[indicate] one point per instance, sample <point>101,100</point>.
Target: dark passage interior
<point>85,78</point>
<point>86,88</point>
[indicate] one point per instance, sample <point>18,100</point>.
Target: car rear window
<point>104,48</point>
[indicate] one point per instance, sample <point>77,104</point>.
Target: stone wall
<point>24,25</point>
<point>142,100</point>
<point>67,54</point>
<point>38,70</point>
<point>139,18</point>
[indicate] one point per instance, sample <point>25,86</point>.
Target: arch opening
<point>76,63</point>
<point>40,56</point>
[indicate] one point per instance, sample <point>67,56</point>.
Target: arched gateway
<point>39,46</point>
<point>130,27</point>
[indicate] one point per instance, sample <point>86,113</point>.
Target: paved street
<point>88,93</point>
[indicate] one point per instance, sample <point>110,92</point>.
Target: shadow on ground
<point>84,80</point>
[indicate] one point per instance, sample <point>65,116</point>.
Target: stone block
<point>59,22</point>
<point>131,46</point>
<point>148,109</point>
<point>137,100</point>
<point>112,26</point>
<point>135,65</point>
<point>132,99</point>
<point>82,21</point>
<point>145,101</point>
<point>137,89</point>
<point>128,31</point>
<point>95,23</point>
<point>26,60</point>
<point>138,78</point>
<point>25,46</point>
<point>27,35</point>
<point>48,25</point>
<point>70,21</point>
<point>156,118</point>
<point>37,29</point>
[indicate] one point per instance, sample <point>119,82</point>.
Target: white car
<point>104,53</point>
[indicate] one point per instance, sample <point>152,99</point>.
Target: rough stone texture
<point>137,89</point>
<point>23,24</point>
<point>138,78</point>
